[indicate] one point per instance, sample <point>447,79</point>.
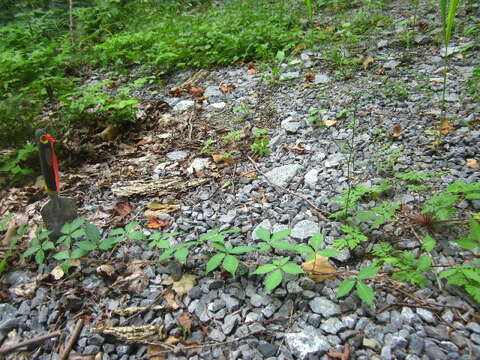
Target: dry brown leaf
<point>154,223</point>
<point>166,208</point>
<point>227,89</point>
<point>106,270</point>
<point>185,321</point>
<point>473,163</point>
<point>249,174</point>
<point>318,268</point>
<point>57,272</point>
<point>177,92</point>
<point>397,130</point>
<point>447,127</point>
<point>196,91</point>
<point>26,290</point>
<point>329,123</point>
<point>252,71</point>
<point>170,297</point>
<point>366,61</point>
<point>309,76</point>
<point>183,285</point>
<point>219,158</point>
<point>133,280</point>
<point>110,133</point>
<point>76,356</point>
<point>155,352</point>
<point>123,208</point>
<point>345,355</point>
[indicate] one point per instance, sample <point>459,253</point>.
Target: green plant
<point>13,163</point>
<point>12,245</point>
<point>377,215</point>
<point>316,117</point>
<point>39,246</point>
<point>474,83</point>
<point>260,142</point>
<point>207,146</point>
<point>179,251</point>
<point>309,4</point>
<point>226,253</point>
<point>275,240</point>
<point>275,272</point>
<point>364,292</point>
<point>313,249</point>
<point>352,238</point>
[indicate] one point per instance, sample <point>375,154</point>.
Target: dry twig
<point>11,348</point>
<point>72,340</point>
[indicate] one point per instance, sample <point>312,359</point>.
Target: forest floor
<point>197,161</point>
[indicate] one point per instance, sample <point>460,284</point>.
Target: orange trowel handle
<point>48,160</point>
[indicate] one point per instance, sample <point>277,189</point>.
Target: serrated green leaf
<point>39,256</point>
<point>310,257</point>
<point>78,233</point>
<point>47,245</point>
<point>292,268</point>
<point>365,293</point>
<point>273,279</point>
<point>215,261</point>
<point>466,243</point>
<point>263,246</point>
<point>62,255</point>
<point>316,240</point>
<point>282,261</point>
<point>472,274</point>
<point>166,254</point>
<point>161,244</point>
<point>181,254</point>
<point>328,252</point>
<point>428,243</point>
<point>475,231</point>
<point>447,273</point>
<point>304,249</point>
<point>345,287</point>
<point>129,227</point>
<point>368,272</point>
<point>75,224</point>
<point>242,249</point>
<point>280,235</point>
<point>31,250</point>
<point>86,245</point>
<point>473,291</point>
<point>230,263</point>
<point>284,245</point>
<point>219,246</point>
<point>108,243</point>
<point>78,253</point>
<point>92,232</point>
<point>263,234</point>
<point>116,232</point>
<point>136,235</point>
<point>424,263</point>
<point>264,269</point>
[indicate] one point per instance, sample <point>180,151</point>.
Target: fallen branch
<point>72,340</point>
<point>318,212</point>
<point>11,348</point>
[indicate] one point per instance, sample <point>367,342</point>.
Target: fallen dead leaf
<point>123,208</point>
<point>249,174</point>
<point>318,268</point>
<point>76,356</point>
<point>447,127</point>
<point>329,123</point>
<point>250,65</point>
<point>154,223</point>
<point>170,298</point>
<point>309,76</point>
<point>345,355</point>
<point>57,272</point>
<point>196,91</point>
<point>473,163</point>
<point>252,71</point>
<point>185,321</point>
<point>219,158</point>
<point>110,133</point>
<point>182,286</point>
<point>26,290</point>
<point>366,61</point>
<point>227,89</point>
<point>106,270</point>
<point>177,92</point>
<point>133,280</point>
<point>397,130</point>
<point>166,208</point>
<point>154,352</point>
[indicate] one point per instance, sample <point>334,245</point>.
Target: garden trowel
<point>58,210</point>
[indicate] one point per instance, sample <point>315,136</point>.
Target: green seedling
<point>275,272</point>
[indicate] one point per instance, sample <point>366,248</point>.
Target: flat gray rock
<point>321,79</point>
<point>177,155</point>
<point>282,175</point>
<point>311,178</point>
<point>305,229</point>
<point>308,342</point>
<point>324,307</point>
<point>291,126</point>
<point>183,106</point>
<point>334,160</point>
<point>332,326</point>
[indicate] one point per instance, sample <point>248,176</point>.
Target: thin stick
<point>72,340</point>
<point>319,212</point>
<point>8,349</point>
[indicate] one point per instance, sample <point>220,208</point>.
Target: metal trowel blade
<point>56,212</point>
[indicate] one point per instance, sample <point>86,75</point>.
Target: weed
<point>275,272</point>
<point>13,163</point>
<point>39,246</point>
<point>364,292</point>
<point>260,142</point>
<point>208,146</point>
